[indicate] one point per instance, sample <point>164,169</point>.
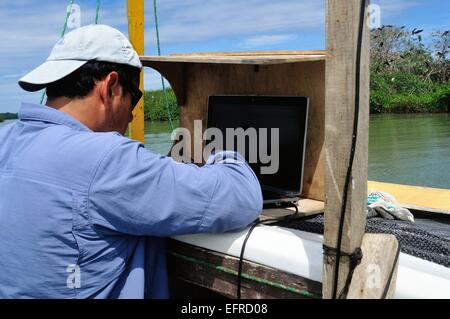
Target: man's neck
<point>80,109</point>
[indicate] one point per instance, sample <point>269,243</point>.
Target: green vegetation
<point>408,76</point>
<point>155,106</point>
<point>7,116</point>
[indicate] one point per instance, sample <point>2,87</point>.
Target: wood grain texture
<point>174,73</point>
<point>372,276</point>
<point>305,206</point>
<point>218,272</point>
<point>135,14</point>
<point>302,79</point>
<point>254,53</point>
<point>235,59</point>
<point>193,83</point>
<point>342,31</point>
<point>435,200</point>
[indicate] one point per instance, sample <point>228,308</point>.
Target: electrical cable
<point>244,244</point>
<point>353,147</point>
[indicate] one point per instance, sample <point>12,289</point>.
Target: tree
<point>441,45</point>
<point>407,75</point>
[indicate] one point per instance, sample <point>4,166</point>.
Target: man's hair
<point>80,83</point>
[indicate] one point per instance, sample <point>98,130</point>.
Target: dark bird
<point>415,31</point>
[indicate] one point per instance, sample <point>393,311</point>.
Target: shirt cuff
<point>225,156</point>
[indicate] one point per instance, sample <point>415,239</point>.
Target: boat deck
<point>434,200</point>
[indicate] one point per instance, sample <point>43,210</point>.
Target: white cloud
<point>37,28</point>
<point>29,28</point>
<point>28,31</point>
<point>152,80</point>
<point>266,40</point>
<point>390,8</point>
<point>214,19</point>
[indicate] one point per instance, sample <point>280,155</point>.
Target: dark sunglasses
<point>136,94</point>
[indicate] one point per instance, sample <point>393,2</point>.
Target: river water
<point>412,149</point>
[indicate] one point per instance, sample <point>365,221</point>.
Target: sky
<point>30,28</point>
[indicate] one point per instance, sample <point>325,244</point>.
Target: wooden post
<point>376,276</point>
<point>342,22</point>
<point>135,14</point>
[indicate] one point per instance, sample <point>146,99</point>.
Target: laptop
<point>284,119</point>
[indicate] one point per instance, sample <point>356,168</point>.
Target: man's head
<point>92,74</point>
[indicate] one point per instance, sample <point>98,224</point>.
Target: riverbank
<point>381,101</point>
<point>436,99</point>
<point>7,116</point>
<point>155,108</point>
<point>410,149</point>
<point>409,71</point>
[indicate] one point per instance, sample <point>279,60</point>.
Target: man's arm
<point>138,192</point>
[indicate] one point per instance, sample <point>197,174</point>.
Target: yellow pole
<point>135,14</point>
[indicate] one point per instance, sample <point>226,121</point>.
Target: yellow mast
<point>135,14</point>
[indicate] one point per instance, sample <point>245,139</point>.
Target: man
<point>83,210</point>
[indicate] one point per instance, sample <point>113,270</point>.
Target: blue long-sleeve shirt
<point>83,214</point>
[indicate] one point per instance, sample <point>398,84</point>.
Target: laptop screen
<point>279,123</point>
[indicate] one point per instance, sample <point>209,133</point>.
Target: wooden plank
<point>254,53</point>
<point>342,31</point>
<point>297,79</point>
<point>174,73</point>
<point>250,59</point>
<point>218,272</point>
<point>427,211</point>
<point>193,83</point>
<point>135,14</point>
<point>305,206</point>
<point>416,197</point>
<point>376,276</point>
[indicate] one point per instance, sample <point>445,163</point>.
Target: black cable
<point>241,258</point>
<point>388,284</point>
<point>353,147</point>
<point>244,244</point>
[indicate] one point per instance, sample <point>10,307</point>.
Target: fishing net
<point>428,240</point>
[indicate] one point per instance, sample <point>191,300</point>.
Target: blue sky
<point>28,29</point>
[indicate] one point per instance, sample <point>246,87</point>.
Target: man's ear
<point>112,81</point>
<point>110,87</point>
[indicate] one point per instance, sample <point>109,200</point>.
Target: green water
<point>5,122</point>
<point>412,149</point>
<point>157,136</point>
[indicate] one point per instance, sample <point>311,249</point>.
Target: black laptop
<point>281,183</point>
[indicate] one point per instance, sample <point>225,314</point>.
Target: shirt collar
<point>38,112</point>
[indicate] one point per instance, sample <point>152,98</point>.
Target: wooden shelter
<point>328,79</point>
